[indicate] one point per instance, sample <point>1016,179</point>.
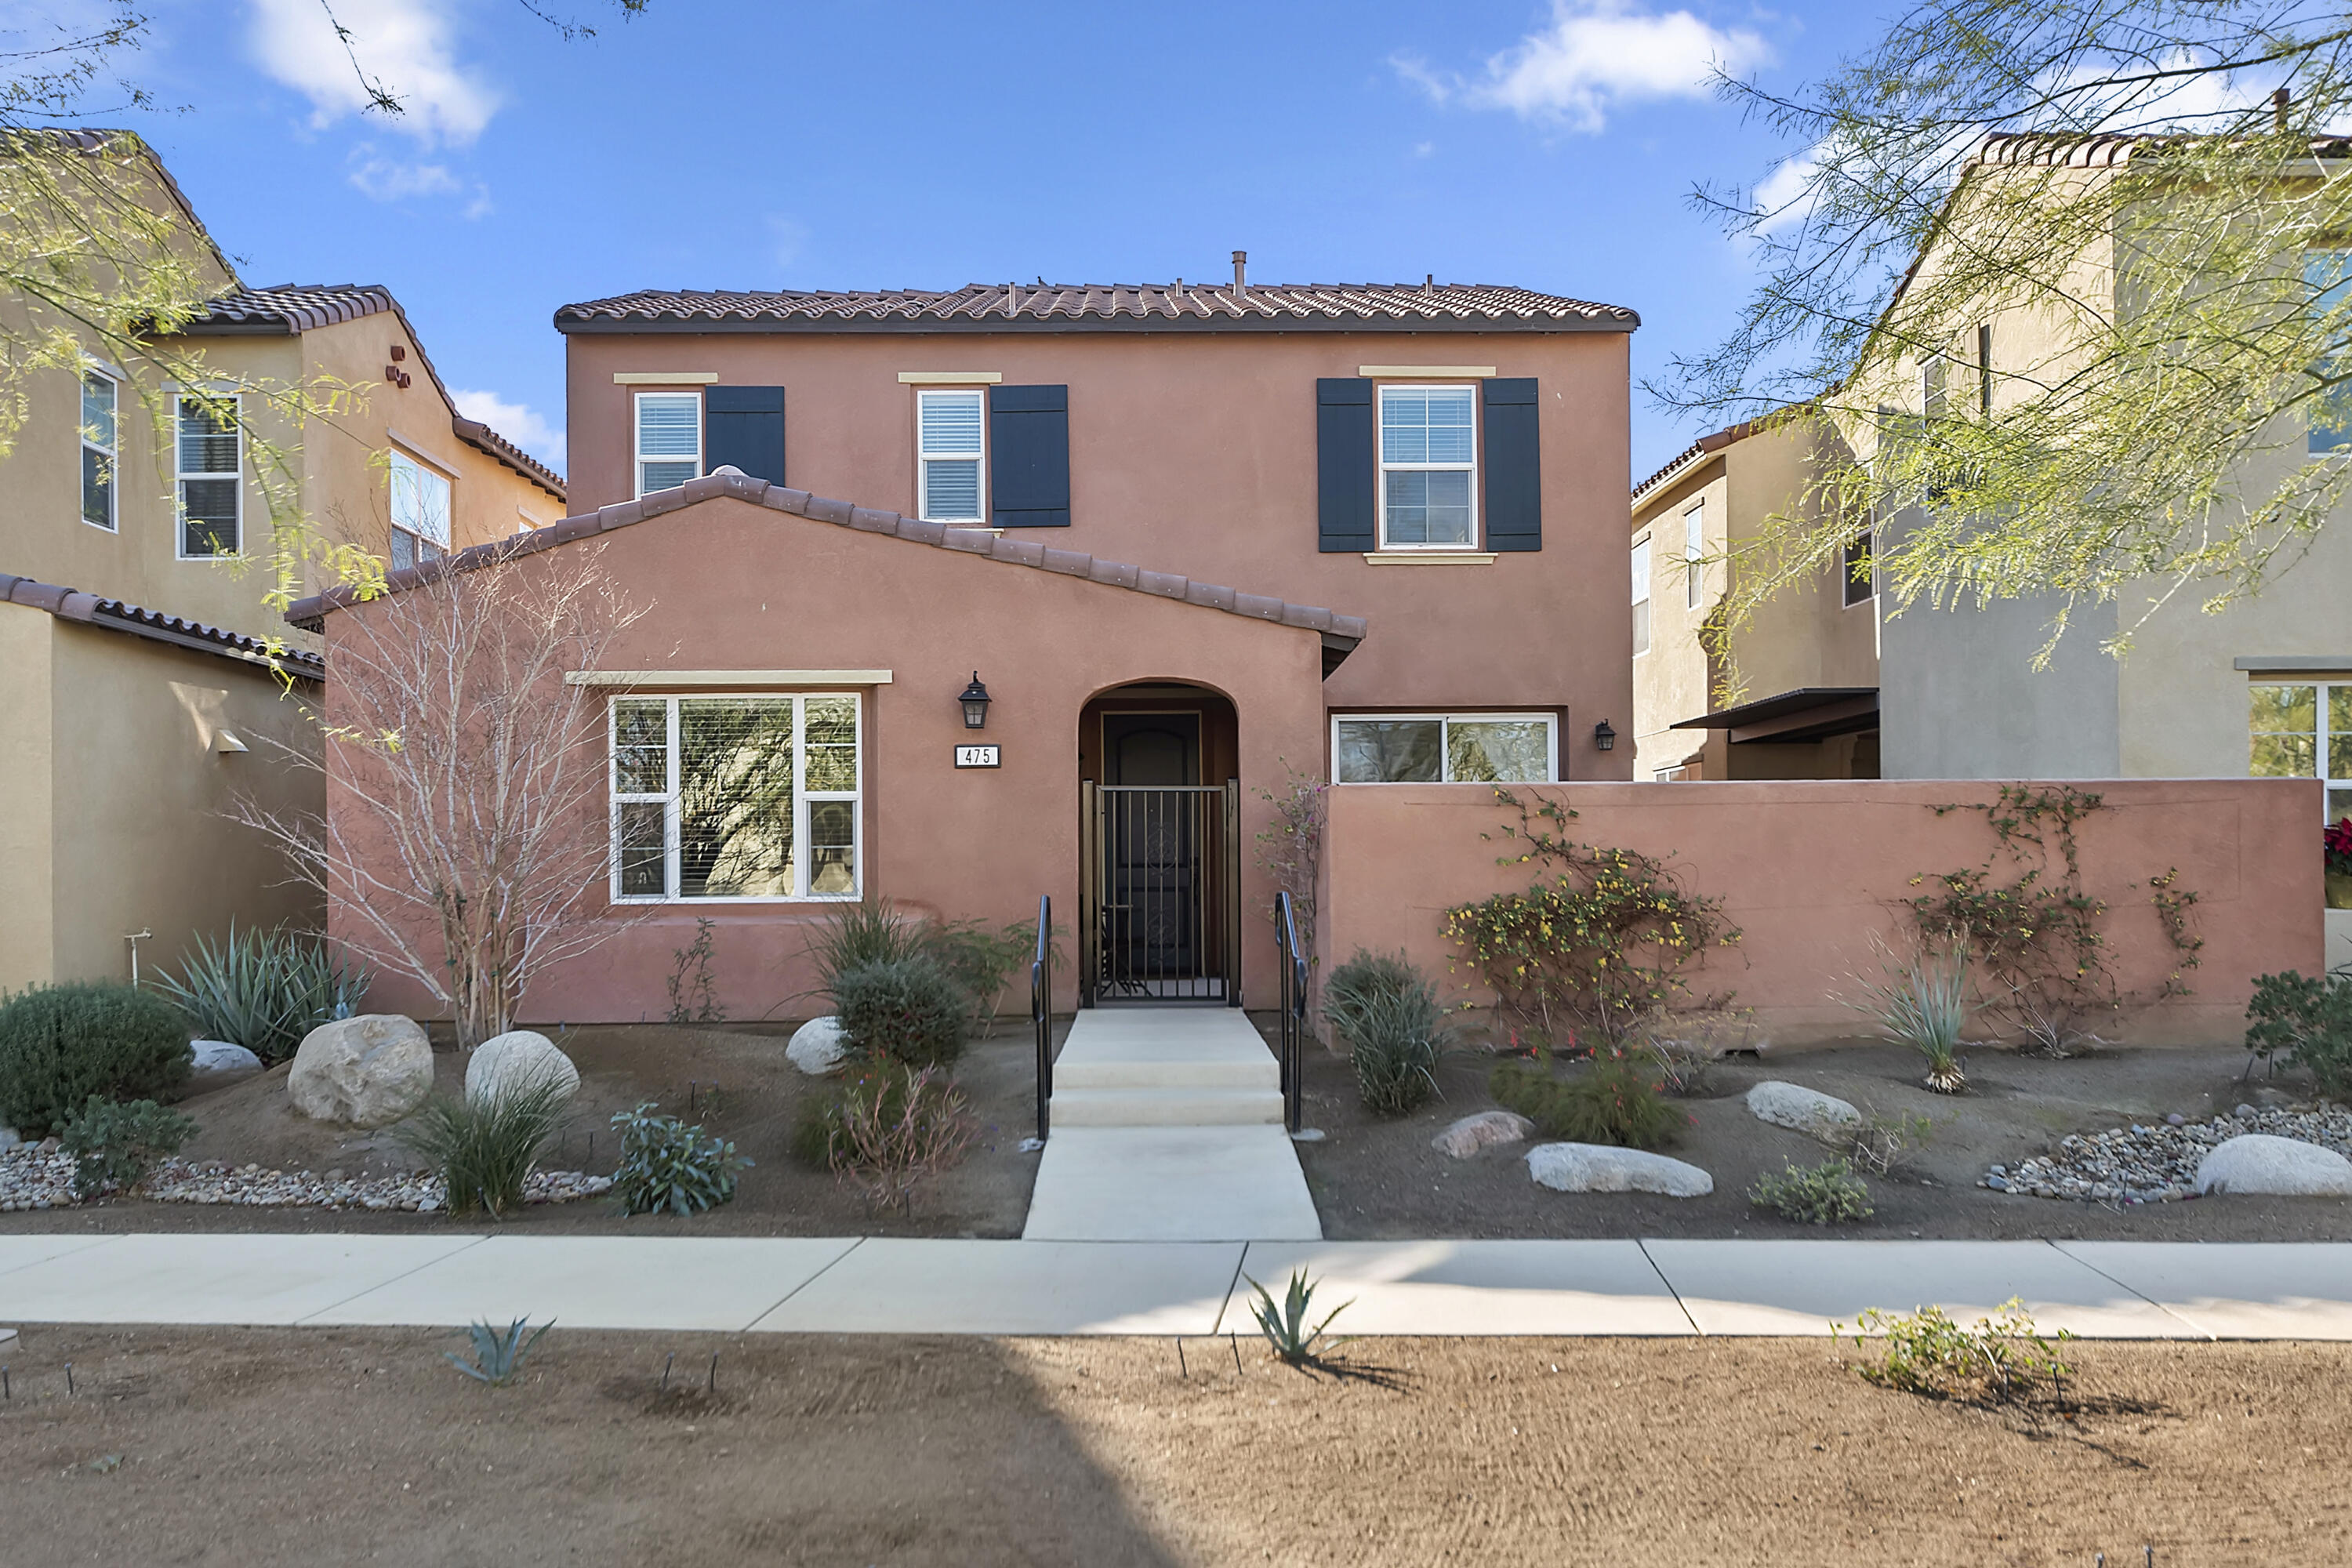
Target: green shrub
<point>1922,1002</point>
<point>1389,1016</point>
<point>821,1138</point>
<point>115,1143</point>
<point>1365,979</point>
<point>1612,1101</point>
<point>484,1148</point>
<point>886,1128</point>
<point>61,1043</point>
<point>264,990</point>
<point>1826,1193</point>
<point>906,1008</point>
<point>857,935</point>
<point>1927,1353</point>
<point>667,1165</point>
<point>977,959</point>
<point>2307,1023</point>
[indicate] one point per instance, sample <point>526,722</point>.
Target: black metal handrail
<point>1294,1009</point>
<point>1041,1006</point>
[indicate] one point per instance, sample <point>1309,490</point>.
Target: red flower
<point>2338,842</point>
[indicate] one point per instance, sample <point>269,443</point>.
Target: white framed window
<point>2328,275</point>
<point>1695,556</point>
<point>1445,748</point>
<point>1429,467</point>
<point>670,439</point>
<point>750,797</point>
<point>209,441</point>
<point>2303,730</point>
<point>951,454</point>
<point>1642,596</point>
<point>420,512</point>
<point>1856,569</point>
<point>100,398</point>
<point>1934,398</point>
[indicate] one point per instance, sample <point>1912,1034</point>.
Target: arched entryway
<point>1159,840</point>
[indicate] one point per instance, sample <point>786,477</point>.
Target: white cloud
<point>1596,56</point>
<point>787,238</point>
<point>518,421</point>
<point>388,180</point>
<point>407,45</point>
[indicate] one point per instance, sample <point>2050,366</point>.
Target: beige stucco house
<point>146,678</point>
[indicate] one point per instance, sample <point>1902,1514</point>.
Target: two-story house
<point>1052,586</point>
<point>146,682</point>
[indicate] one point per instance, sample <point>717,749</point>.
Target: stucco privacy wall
<point>1811,869</point>
<point>731,585</point>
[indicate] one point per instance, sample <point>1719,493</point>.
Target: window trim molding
<point>2320,682</point>
<point>922,487</point>
<point>113,455</point>
<point>1382,467</point>
<point>180,395</point>
<point>395,450</point>
<point>1550,717</point>
<point>637,459</point>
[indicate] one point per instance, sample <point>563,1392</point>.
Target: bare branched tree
<point>465,835</point>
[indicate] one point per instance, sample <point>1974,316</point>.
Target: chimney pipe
<point>1241,269</point>
<point>2279,101</point>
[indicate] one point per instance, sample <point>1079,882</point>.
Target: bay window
<point>1445,748</point>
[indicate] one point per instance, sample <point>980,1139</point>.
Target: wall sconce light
<point>975,701</point>
<point>1604,738</point>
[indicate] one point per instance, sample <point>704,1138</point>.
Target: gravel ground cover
<point>35,1176</point>
<point>2155,1161</point>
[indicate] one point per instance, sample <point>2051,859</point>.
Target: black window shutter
<point>1347,509</point>
<point>1514,497</point>
<point>745,426</point>
<point>1029,456</point>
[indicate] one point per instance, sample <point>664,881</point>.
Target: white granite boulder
<point>1802,1110</point>
<point>817,1047</point>
<point>367,1071</point>
<point>2257,1162</point>
<point>506,1063</point>
<point>1484,1131</point>
<point>223,1055</point>
<point>1605,1168</point>
<point>9,1138</point>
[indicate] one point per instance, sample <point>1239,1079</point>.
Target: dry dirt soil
<point>307,1447</point>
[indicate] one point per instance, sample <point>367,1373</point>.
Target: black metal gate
<point>1160,893</point>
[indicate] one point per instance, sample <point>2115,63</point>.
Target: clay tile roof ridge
<point>120,615</point>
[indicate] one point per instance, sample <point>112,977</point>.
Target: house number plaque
<point>978,757</point>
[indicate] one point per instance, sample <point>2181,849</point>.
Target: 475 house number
<point>978,757</point>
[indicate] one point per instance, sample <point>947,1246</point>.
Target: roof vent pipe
<point>1241,269</point>
<point>2279,101</point>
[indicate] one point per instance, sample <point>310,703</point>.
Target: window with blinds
<point>99,398</point>
<point>420,512</point>
<point>736,798</point>
<point>949,453</point>
<point>1429,445</point>
<point>670,439</point>
<point>209,442</point>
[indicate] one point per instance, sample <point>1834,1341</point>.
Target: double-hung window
<point>2302,730</point>
<point>1695,556</point>
<point>99,397</point>
<point>1854,563</point>
<point>1429,462</point>
<point>1445,748</point>
<point>670,439</point>
<point>747,796</point>
<point>950,452</point>
<point>210,442</point>
<point>420,512</point>
<point>1642,594</point>
<point>2328,276</point>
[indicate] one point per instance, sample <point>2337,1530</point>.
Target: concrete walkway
<point>876,1284</point>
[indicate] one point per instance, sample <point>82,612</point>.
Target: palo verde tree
<point>2141,209</point>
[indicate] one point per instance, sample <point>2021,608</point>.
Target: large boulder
<point>1605,1168</point>
<point>1484,1131</point>
<point>1802,1110</point>
<point>818,1046</point>
<point>2257,1162</point>
<point>368,1071</point>
<point>516,1060</point>
<point>222,1055</point>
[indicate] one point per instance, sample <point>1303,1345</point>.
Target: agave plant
<point>498,1353</point>
<point>264,990</point>
<point>1284,1325</point>
<point>1922,1002</point>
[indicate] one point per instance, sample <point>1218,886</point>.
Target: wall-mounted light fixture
<point>975,701</point>
<point>1603,738</point>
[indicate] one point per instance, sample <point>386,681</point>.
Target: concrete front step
<point>1164,1107</point>
<point>1190,1072</point>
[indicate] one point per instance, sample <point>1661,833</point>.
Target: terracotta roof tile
<point>115,615</point>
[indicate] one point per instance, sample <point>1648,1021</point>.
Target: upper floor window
<point>670,439</point>
<point>2328,275</point>
<point>211,458</point>
<point>1642,594</point>
<point>1933,401</point>
<point>420,512</point>
<point>1855,566</point>
<point>2303,730</point>
<point>1429,447</point>
<point>99,398</point>
<point>1694,555</point>
<point>951,442</point>
<point>1445,748</point>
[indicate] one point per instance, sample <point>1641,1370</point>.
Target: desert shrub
<point>2305,1023</point>
<point>116,1143</point>
<point>857,935</point>
<point>61,1043</point>
<point>484,1148</point>
<point>667,1165</point>
<point>265,989</point>
<point>1922,1001</point>
<point>1926,1351</point>
<point>1387,1013</point>
<point>1826,1193</point>
<point>891,1127</point>
<point>1614,1100</point>
<point>693,989</point>
<point>906,1008</point>
<point>498,1354</point>
<point>1881,1142</point>
<point>1285,1324</point>
<point>1364,979</point>
<point>982,959</point>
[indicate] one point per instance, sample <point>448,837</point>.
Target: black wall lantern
<point>1603,738</point>
<point>975,704</point>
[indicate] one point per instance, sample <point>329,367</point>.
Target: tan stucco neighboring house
<point>145,678</point>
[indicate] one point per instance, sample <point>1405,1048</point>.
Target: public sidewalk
<point>896,1285</point>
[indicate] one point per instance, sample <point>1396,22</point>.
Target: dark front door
<point>1158,839</point>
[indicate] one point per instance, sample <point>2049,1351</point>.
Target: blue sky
<point>715,143</point>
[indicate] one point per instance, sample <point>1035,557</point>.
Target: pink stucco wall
<point>1810,870</point>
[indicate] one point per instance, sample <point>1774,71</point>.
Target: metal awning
<point>1807,713</point>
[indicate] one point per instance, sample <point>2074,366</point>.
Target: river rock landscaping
<point>37,1176</point>
<point>2157,1161</point>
